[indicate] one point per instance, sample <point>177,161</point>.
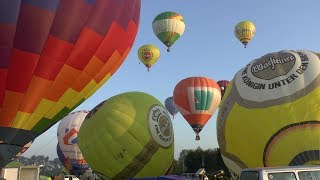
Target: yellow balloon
<point>148,55</point>
<point>270,113</point>
<point>245,31</point>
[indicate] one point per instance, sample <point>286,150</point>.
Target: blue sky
<point>207,48</point>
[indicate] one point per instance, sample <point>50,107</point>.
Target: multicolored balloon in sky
<point>54,55</point>
<point>148,55</point>
<point>270,114</point>
<point>168,27</point>
<point>128,135</point>
<point>244,31</point>
<point>67,148</point>
<point>197,98</point>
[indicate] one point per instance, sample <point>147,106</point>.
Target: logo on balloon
<point>160,126</point>
<point>71,137</point>
<point>273,65</point>
<point>238,32</point>
<point>147,54</point>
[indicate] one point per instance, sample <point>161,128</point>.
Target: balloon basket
<point>197,137</point>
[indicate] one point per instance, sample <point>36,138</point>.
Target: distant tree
<point>221,164</point>
<point>177,167</point>
<point>212,161</point>
<point>193,160</point>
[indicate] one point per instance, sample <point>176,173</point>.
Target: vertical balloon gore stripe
<point>7,32</point>
<point>21,70</point>
<point>30,37</point>
<point>9,11</point>
<point>68,22</point>
<point>86,46</point>
<point>54,55</point>
<point>102,9</point>
<point>11,101</point>
<point>125,15</point>
<point>3,78</point>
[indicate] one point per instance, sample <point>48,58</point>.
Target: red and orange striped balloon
<point>197,98</point>
<point>54,54</point>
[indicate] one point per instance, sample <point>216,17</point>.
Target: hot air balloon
<point>148,55</point>
<point>168,27</point>
<point>197,98</point>
<point>54,55</point>
<point>244,31</point>
<point>270,114</point>
<point>171,107</point>
<point>223,85</point>
<point>70,154</point>
<point>129,135</point>
<point>13,153</point>
<point>24,149</point>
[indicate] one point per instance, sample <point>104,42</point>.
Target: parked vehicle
<point>21,173</point>
<point>282,173</point>
<point>70,177</point>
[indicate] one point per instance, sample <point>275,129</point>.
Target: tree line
<point>189,161</point>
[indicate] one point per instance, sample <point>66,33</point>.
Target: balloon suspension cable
<point>168,47</point>
<point>197,137</point>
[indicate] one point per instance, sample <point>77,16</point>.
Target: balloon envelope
<point>223,86</point>
<point>67,148</point>
<point>12,153</point>
<point>148,55</point>
<point>270,114</point>
<point>168,27</point>
<point>197,98</point>
<point>54,55</point>
<point>128,135</point>
<point>244,31</point>
<point>171,107</point>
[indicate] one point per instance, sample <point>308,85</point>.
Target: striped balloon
<point>54,54</point>
<point>197,98</point>
<point>168,27</point>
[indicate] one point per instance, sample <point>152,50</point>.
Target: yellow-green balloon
<point>128,135</point>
